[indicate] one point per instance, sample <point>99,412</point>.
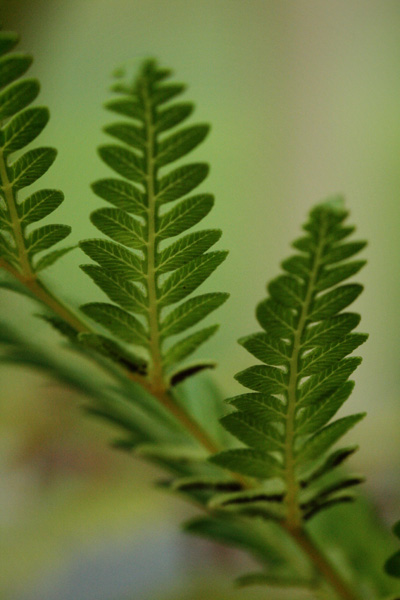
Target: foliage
<point>285,421</point>
<point>260,496</point>
<point>20,125</point>
<point>140,274</point>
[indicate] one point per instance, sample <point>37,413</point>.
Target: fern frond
<point>139,273</point>
<point>303,381</point>
<point>19,126</point>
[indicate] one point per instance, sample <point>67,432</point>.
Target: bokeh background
<point>304,101</point>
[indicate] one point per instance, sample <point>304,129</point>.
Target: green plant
<point>284,473</point>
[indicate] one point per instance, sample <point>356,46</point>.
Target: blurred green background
<point>304,101</point>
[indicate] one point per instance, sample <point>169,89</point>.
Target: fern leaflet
<point>285,423</point>
<point>19,126</point>
<point>141,275</point>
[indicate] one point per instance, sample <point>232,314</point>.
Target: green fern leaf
<point>164,93</point>
<point>121,291</point>
<point>261,406</point>
<point>19,127</point>
<point>318,496</point>
<point>30,166</point>
<point>17,96</point>
<point>187,214</point>
<point>333,302</point>
<point>124,162</point>
<point>329,463</point>
<point>114,257</point>
<point>339,253</point>
<point>24,128</point>
<point>303,381</point>
<point>107,347</point>
<point>263,378</point>
<point>39,205</point>
<point>130,134</point>
<point>120,227</point>
<point>253,432</point>
<point>313,417</point>
<point>334,501</point>
<point>189,277</point>
<point>50,258</point>
<point>247,461</point>
<point>188,345</point>
<point>12,67</point>
<point>44,237</point>
<point>325,381</point>
<point>180,144</point>
<point>127,107</point>
<point>122,194</point>
<point>338,274</point>
<point>323,358</point>
<point>139,251</point>
<point>181,181</point>
<point>269,350</point>
<point>321,441</point>
<point>170,117</point>
<point>121,323</point>
<point>330,330</point>
<point>190,313</point>
<point>186,248</point>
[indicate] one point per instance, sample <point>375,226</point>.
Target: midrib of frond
<point>156,374</point>
<point>291,499</point>
<point>24,263</point>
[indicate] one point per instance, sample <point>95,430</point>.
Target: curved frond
<point>286,422</point>
<point>140,270</point>
<point>20,126</point>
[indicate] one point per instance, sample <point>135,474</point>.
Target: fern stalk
<point>294,518</point>
<point>37,287</point>
<point>192,427</point>
<point>156,375</point>
<point>321,563</point>
<point>25,265</point>
<point>19,126</point>
<point>26,274</point>
<point>141,280</point>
